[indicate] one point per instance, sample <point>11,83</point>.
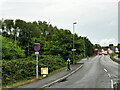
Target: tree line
<point>53,41</point>
<point>18,38</point>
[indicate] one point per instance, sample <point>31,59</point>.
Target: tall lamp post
<point>73,42</point>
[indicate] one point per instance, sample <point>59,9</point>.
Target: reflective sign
<point>44,70</point>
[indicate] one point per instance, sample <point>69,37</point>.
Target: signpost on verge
<point>37,48</point>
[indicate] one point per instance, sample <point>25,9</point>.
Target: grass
<point>112,57</point>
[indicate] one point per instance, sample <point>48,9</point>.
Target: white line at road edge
<point>105,70</point>
<point>111,83</point>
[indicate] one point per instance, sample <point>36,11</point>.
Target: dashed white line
<point>105,70</point>
<point>110,77</point>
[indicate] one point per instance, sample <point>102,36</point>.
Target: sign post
<point>37,48</point>
<point>37,66</point>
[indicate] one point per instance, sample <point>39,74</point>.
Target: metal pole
<point>73,45</point>
<point>37,66</point>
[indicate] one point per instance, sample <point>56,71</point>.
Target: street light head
<point>74,23</point>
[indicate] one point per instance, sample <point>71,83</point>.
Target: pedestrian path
<point>116,57</point>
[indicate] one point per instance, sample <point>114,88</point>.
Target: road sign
<point>36,47</point>
<point>36,53</point>
<point>37,43</point>
<point>73,49</point>
<point>44,70</point>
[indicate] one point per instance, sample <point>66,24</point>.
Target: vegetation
<point>112,57</point>
<point>18,38</point>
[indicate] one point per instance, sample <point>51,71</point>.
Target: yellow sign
<point>44,70</point>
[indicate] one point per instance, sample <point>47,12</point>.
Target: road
<point>97,72</point>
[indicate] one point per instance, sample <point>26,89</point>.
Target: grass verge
<point>24,82</point>
<point>112,57</point>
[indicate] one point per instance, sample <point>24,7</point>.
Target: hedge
<point>24,68</point>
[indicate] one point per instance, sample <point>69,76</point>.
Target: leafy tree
<point>9,51</point>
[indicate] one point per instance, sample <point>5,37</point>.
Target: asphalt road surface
<point>97,72</point>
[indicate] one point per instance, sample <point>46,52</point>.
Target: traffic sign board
<point>36,53</point>
<point>37,43</point>
<point>73,49</point>
<point>44,70</point>
<point>36,48</point>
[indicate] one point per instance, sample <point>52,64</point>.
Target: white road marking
<point>109,75</point>
<point>105,70</point>
<point>111,83</point>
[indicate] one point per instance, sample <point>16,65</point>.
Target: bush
<point>10,51</point>
<point>21,69</point>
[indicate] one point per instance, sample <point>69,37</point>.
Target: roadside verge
<point>112,57</point>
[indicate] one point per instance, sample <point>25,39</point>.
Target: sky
<point>96,19</point>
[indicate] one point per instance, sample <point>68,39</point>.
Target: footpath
<point>57,77</point>
<point>116,57</point>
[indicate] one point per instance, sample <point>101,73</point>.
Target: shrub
<point>24,68</point>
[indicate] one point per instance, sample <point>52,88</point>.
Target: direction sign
<point>37,43</point>
<point>36,48</point>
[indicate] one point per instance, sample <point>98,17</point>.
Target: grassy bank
<point>112,57</point>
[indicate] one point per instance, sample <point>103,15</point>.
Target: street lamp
<point>73,42</point>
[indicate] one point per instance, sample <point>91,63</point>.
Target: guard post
<point>37,48</point>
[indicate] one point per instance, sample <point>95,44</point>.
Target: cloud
<point>96,19</point>
<point>107,41</point>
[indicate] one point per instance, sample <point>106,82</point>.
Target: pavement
<point>116,57</point>
<point>56,76</point>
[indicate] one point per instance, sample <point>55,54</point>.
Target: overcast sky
<point>96,19</point>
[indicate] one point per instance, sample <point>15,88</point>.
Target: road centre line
<point>105,70</point>
<point>110,77</point>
